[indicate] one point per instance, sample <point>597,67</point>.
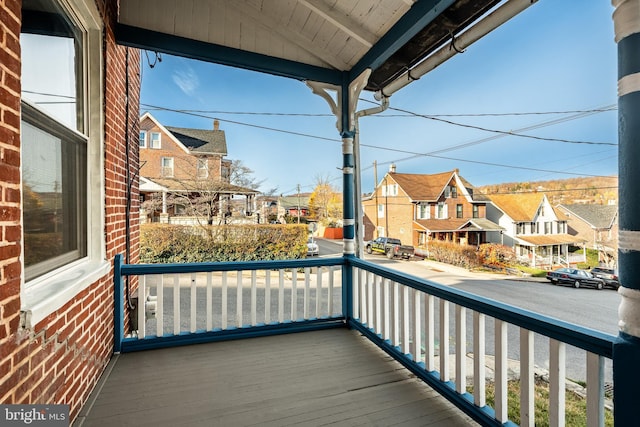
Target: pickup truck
<point>391,247</point>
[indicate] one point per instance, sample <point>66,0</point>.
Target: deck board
<point>331,377</point>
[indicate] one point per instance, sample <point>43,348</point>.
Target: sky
<point>556,57</point>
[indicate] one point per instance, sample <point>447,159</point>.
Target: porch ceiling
<point>318,40</point>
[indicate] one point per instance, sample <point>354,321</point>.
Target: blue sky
<point>556,56</point>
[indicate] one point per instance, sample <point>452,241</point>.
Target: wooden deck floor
<point>314,378</point>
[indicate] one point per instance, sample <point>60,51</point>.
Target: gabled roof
<point>194,141</point>
<point>293,201</point>
<point>201,141</point>
<point>597,216</point>
<point>518,207</point>
<point>429,187</point>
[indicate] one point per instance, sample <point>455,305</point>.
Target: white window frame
<point>202,164</point>
<point>380,210</point>
<point>143,139</point>
<point>47,293</point>
<point>423,211</point>
<point>164,169</point>
<point>153,140</point>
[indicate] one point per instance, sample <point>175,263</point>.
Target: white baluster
<point>527,384</point>
<point>461,349</point>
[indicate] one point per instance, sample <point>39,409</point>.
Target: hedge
<point>164,243</point>
<point>488,254</point>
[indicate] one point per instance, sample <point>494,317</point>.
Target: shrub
<point>496,255</point>
<point>452,253</point>
<point>163,243</point>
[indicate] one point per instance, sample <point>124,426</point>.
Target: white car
<point>312,247</point>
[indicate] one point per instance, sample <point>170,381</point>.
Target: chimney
<point>392,168</point>
<point>216,124</point>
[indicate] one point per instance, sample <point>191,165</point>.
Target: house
<point>69,155</point>
<point>185,177</point>
<point>537,231</point>
<point>417,208</point>
<point>597,225</point>
<point>295,205</point>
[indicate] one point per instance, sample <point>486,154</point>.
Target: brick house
<point>69,101</point>
<point>184,176</point>
<point>597,225</point>
<point>536,230</point>
<point>417,208</point>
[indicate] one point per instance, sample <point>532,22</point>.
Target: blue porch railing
<point>407,317</point>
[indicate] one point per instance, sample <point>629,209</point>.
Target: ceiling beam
<point>141,38</point>
<point>421,14</point>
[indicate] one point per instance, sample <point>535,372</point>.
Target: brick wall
<point>10,227</point>
<point>61,358</point>
<point>184,164</point>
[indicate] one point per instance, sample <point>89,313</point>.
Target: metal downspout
<point>359,250</point>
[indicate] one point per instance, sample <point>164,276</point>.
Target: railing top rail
<point>140,269</point>
<point>588,339</point>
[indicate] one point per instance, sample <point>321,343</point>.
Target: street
<point>595,309</point>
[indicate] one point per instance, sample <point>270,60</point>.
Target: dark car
<point>609,275</point>
<point>574,277</point>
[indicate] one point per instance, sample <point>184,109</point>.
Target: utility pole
<point>375,192</point>
<point>298,203</point>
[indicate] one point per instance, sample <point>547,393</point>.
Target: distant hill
<point>592,190</point>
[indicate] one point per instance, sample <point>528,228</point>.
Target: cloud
<point>187,80</point>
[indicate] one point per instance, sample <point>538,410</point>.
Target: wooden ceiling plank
<point>342,22</point>
<point>267,22</point>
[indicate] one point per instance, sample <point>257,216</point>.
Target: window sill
<point>49,293</point>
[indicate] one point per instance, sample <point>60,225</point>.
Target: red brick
<point>9,290</point>
<point>8,251</point>
<point>11,118</point>
<point>11,308</point>
<point>9,174</point>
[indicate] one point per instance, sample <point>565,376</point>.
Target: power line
<point>520,135</point>
<point>243,123</point>
<point>396,150</point>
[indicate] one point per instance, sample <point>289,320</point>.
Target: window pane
<point>50,62</point>
<point>54,188</point>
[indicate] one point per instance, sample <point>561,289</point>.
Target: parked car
<point>390,247</point>
<point>312,247</point>
<point>609,275</point>
<point>574,277</point>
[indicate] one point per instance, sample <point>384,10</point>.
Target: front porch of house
<point>333,376</point>
<point>331,340</point>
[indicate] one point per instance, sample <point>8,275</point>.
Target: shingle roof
<point>201,140</point>
<point>598,216</point>
<point>519,207</point>
<point>429,187</point>
<point>549,239</point>
<point>458,224</point>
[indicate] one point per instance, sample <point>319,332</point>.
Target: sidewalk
<point>460,271</point>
